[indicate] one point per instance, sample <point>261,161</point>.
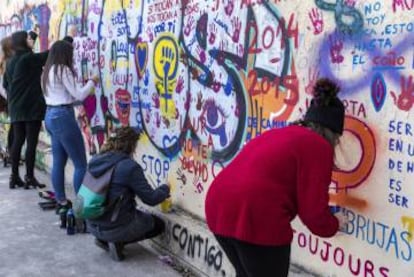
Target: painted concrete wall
<point>203,77</point>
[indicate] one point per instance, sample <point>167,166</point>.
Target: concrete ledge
<point>190,241</point>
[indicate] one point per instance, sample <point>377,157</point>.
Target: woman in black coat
<point>26,106</point>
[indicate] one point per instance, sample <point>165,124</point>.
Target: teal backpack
<point>91,200</point>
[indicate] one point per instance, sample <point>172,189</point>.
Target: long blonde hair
<point>7,53</point>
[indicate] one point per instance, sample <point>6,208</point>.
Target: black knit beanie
<point>326,108</point>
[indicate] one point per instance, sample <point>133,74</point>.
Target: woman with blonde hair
<point>6,54</point>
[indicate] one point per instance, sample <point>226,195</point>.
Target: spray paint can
<point>166,205</point>
<point>70,225</point>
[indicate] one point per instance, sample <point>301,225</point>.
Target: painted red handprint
<point>156,100</point>
<point>180,85</point>
<point>202,54</point>
<point>157,120</point>
<point>213,31</point>
<point>236,23</point>
<point>336,46</point>
<point>406,98</point>
<point>181,176</point>
<point>189,26</point>
<point>148,117</point>
<point>229,7</point>
<point>313,77</point>
<point>350,3</point>
<point>317,21</point>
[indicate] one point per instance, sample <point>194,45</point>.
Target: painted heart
<point>171,146</point>
<point>123,105</point>
<point>90,106</point>
<point>141,58</point>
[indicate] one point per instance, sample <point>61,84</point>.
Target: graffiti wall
<point>201,78</point>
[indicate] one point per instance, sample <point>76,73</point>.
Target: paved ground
<point>32,244</point>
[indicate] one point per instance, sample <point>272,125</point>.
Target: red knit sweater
<point>278,175</point>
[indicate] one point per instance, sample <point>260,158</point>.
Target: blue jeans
<point>67,142</point>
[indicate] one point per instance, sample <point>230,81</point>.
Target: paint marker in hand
<point>334,209</point>
<point>166,205</point>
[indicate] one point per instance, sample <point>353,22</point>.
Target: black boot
<point>15,181</point>
<point>32,182</point>
<point>115,251</point>
<point>102,244</point>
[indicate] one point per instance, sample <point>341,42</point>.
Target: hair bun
<point>325,91</point>
<point>326,108</point>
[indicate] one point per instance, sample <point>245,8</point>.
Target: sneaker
<point>115,251</point>
<point>15,181</point>
<point>47,194</point>
<point>102,244</point>
<point>32,182</point>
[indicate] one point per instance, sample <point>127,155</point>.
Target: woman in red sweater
<point>276,176</point>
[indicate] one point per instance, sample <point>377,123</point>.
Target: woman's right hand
<point>343,221</point>
<point>95,79</point>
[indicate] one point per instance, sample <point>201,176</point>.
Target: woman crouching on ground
<point>130,224</point>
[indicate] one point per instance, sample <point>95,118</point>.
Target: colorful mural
<point>201,78</point>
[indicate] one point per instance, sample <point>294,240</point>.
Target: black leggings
<point>251,260</point>
<point>10,139</point>
<point>24,131</point>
